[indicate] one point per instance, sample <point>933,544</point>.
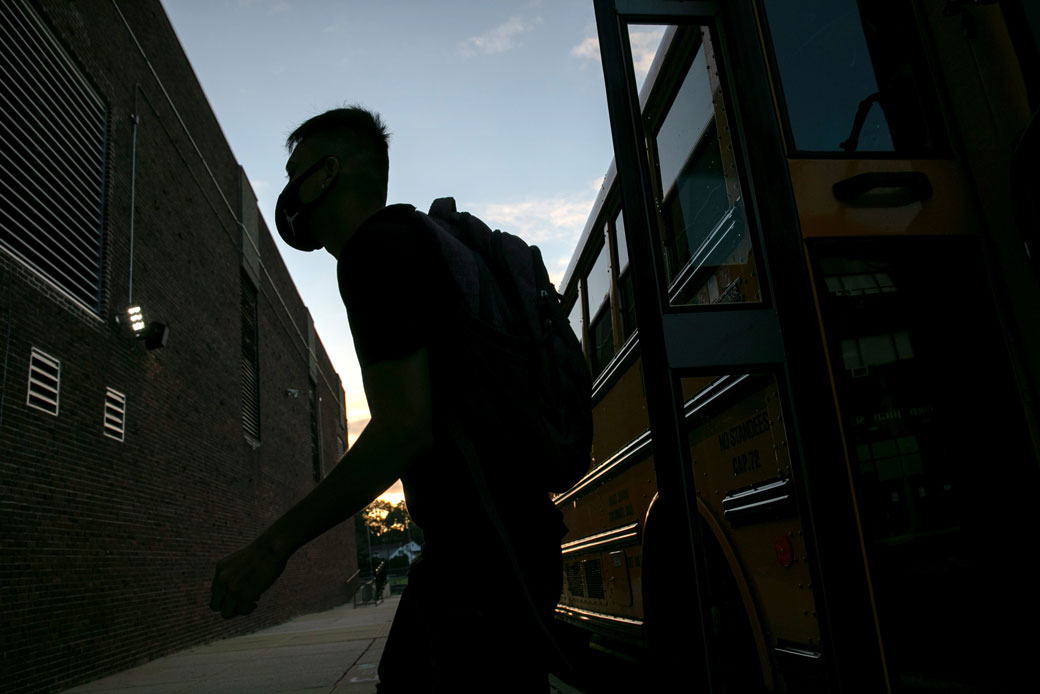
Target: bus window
<point>645,40</point>
<point>601,325</point>
<point>689,118</point>
<point>853,77</point>
<point>626,289</point>
<point>707,250</point>
<point>575,318</point>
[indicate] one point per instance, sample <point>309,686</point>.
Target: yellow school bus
<point>808,301</point>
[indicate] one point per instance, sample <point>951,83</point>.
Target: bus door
<point>732,362</point>
<point>900,219</point>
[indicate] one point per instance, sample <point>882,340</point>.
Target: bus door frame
<point>781,335</point>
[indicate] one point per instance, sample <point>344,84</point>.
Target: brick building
<point>128,468</point>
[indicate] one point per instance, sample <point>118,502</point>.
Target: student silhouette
<point>468,620</point>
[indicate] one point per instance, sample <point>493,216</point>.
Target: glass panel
<point>853,76</point>
<point>626,287</point>
<point>692,208</point>
<point>939,456</point>
<point>575,317</point>
<point>622,243</point>
<point>645,41</point>
<point>746,498</point>
<point>601,340</point>
<point>689,116</point>
<point>627,299</point>
<point>598,282</point>
<point>601,326</point>
<point>707,249</point>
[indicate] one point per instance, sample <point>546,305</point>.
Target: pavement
<point>331,652</point>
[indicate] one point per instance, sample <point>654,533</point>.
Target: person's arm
<point>401,429</point>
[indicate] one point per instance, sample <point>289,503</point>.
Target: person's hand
<point>242,577</point>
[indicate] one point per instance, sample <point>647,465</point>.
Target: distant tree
<point>383,523</point>
<point>387,521</point>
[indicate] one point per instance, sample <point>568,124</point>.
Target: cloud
<point>552,223</point>
<point>497,40</point>
<point>358,414</point>
<point>644,44</point>
<point>557,269</point>
<point>357,420</point>
<point>395,494</point>
<point>644,48</point>
<point>539,220</point>
<point>354,429</point>
<point>587,49</point>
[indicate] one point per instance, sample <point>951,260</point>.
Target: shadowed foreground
<point>332,651</point>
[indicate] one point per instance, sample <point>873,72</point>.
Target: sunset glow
<point>393,497</point>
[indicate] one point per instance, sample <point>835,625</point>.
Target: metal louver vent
<point>575,580</point>
<point>115,414</point>
<point>52,162</point>
<point>44,382</point>
<point>250,361</point>
<point>594,578</point>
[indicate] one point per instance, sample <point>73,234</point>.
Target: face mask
<point>293,218</point>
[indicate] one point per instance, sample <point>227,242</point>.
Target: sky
<point>497,103</point>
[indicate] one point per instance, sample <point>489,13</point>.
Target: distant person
<point>464,622</point>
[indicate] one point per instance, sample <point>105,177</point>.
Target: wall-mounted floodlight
<point>154,334</point>
<point>136,319</point>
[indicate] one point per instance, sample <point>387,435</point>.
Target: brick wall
<point>109,547</point>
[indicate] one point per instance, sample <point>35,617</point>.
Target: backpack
<point>518,302</point>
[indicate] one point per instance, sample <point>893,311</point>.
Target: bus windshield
<point>853,77</point>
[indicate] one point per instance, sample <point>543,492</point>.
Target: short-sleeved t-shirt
<point>400,297</point>
<point>385,273</point>
<point>392,283</point>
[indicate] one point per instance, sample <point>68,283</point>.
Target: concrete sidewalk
<point>333,651</point>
